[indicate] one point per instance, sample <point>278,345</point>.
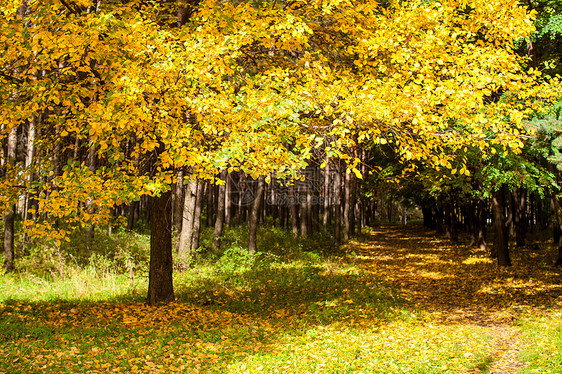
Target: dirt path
<point>456,284</point>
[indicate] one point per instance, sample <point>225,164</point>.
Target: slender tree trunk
<point>557,204</point>
<point>190,200</point>
<point>304,208</point>
<point>519,216</point>
<point>178,203</point>
<point>452,223</point>
<point>160,286</point>
<point>29,156</point>
<point>219,222</point>
<point>245,197</point>
<point>327,197</point>
<point>210,204</point>
<point>91,160</point>
<point>228,200</point>
<point>501,242</point>
<point>348,207</point>
<point>9,227</point>
<point>201,187</point>
<point>337,207</point>
<point>293,212</point>
<point>253,219</point>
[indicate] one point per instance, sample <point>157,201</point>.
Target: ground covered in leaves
<point>399,300</point>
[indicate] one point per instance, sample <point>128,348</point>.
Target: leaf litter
<point>401,301</point>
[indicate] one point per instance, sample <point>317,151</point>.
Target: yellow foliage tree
<point>150,87</point>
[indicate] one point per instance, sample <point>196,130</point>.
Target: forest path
<point>457,284</point>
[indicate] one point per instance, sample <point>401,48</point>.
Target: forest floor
<point>456,284</point>
<point>398,299</point>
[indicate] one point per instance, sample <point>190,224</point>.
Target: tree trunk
<point>160,286</point>
<point>190,199</point>
<point>347,206</point>
<point>9,227</point>
<point>219,222</point>
<point>253,219</point>
<point>452,223</point>
<point>337,207</point>
<point>228,200</point>
<point>304,208</point>
<point>9,252</point>
<point>557,204</point>
<point>292,201</point>
<point>210,189</point>
<point>91,160</point>
<point>519,216</point>
<point>29,156</point>
<point>201,187</point>
<point>133,215</point>
<point>501,242</point>
<point>327,197</point>
<point>178,203</point>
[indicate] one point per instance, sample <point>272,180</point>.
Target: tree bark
<point>481,222</point>
<point>347,206</point>
<point>337,207</point>
<point>327,197</point>
<point>293,210</point>
<point>228,200</point>
<point>190,199</point>
<point>91,160</point>
<point>178,203</point>
<point>201,187</point>
<point>9,227</point>
<point>557,204</point>
<point>303,193</point>
<point>219,222</point>
<point>501,242</point>
<point>160,286</point>
<point>519,216</point>
<point>253,220</point>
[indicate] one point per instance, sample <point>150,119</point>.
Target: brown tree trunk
<point>228,200</point>
<point>91,160</point>
<point>253,219</point>
<point>557,204</point>
<point>9,227</point>
<point>481,222</point>
<point>348,207</point>
<point>304,208</point>
<point>201,187</point>
<point>184,245</point>
<point>452,222</point>
<point>327,197</point>
<point>219,222</point>
<point>210,189</point>
<point>160,286</point>
<point>501,241</point>
<point>337,207</point>
<point>178,203</point>
<point>292,201</point>
<point>519,196</point>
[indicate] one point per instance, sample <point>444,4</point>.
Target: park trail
<point>458,284</point>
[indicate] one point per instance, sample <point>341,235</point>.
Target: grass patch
<point>292,307</point>
<point>542,337</point>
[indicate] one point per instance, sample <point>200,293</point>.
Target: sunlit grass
<point>542,335</point>
<point>291,308</point>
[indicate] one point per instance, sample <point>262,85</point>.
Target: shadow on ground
<point>458,281</point>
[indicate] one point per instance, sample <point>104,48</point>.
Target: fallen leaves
<point>302,318</point>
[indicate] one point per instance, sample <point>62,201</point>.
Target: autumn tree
<point>247,87</point>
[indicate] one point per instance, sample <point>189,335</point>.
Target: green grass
<point>295,307</point>
<point>542,336</point>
